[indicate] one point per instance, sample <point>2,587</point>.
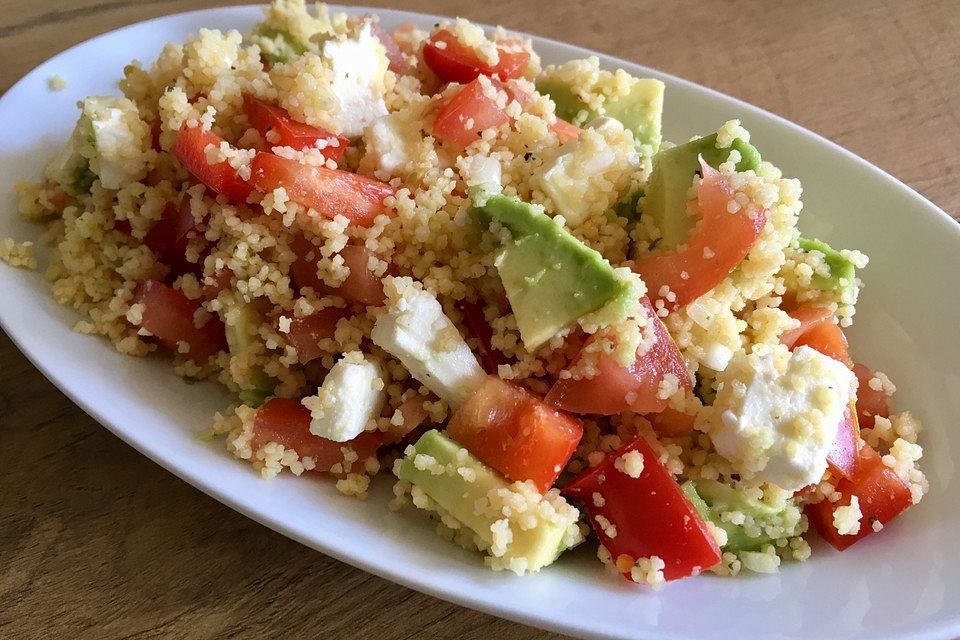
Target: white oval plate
<point>904,583</point>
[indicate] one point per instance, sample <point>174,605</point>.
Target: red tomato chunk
<point>616,388</point>
<point>719,243</point>
<point>844,454</point>
<point>362,285</point>
<point>468,113</point>
<point>266,117</point>
<point>168,315</point>
<point>287,422</point>
<point>651,514</point>
<point>190,149</point>
<point>327,191</point>
<point>454,62</point>
<point>870,402</point>
<point>881,493</point>
<point>515,432</point>
<point>305,334</point>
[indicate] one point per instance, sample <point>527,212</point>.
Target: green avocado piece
<point>551,278</point>
<point>842,271</point>
<point>540,545</point>
<point>672,177</point>
<point>282,46</point>
<point>641,110</point>
<point>241,321</point>
<point>712,498</point>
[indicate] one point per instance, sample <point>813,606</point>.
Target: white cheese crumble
<point>417,332</point>
<point>349,400</point>
<point>777,414</point>
<point>359,67</point>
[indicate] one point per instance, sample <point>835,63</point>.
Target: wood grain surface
<point>96,541</point>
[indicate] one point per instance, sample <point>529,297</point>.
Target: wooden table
<point>96,541</point>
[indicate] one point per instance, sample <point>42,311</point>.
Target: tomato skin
<point>652,515</point>
<point>220,177</point>
<point>881,493</point>
<point>726,238</point>
<point>168,315</point>
<point>479,328</point>
<point>327,191</point>
<point>606,393</point>
<point>470,103</point>
<point>306,333</point>
<point>515,432</point>
<point>828,339</point>
<point>362,285</point>
<point>844,454</point>
<point>287,422</point>
<point>808,317</point>
<point>454,62</point>
<point>266,117</point>
<point>870,402</point>
<point>168,237</point>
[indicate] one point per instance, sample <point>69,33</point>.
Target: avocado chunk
<point>241,322</point>
<point>762,523</point>
<point>672,177</point>
<point>441,468</point>
<point>277,46</point>
<point>551,278</point>
<point>842,271</point>
<point>640,110</point>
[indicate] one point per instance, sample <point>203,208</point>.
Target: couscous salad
<point>426,255</point>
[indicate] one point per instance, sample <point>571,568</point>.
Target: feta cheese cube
<point>391,144</point>
<point>417,332</point>
<point>349,400</point>
<point>778,414</point>
<point>359,67</point>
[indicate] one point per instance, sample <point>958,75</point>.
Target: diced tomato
<point>615,388</point>
<point>720,242</point>
<point>651,514</point>
<point>168,236</point>
<point>870,402</point>
<point>828,339</point>
<point>306,333</point>
<point>268,117</point>
<point>515,432</point>
<point>808,317</point>
<point>454,62</point>
<point>565,131</point>
<point>362,285</point>
<point>881,493</point>
<point>476,320</point>
<point>189,149</point>
<point>168,315</point>
<point>671,423</point>
<point>327,191</point>
<point>470,106</point>
<point>414,415</point>
<point>844,454</point>
<point>287,422</point>
<point>220,280</point>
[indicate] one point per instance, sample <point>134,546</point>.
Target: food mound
<point>426,255</point>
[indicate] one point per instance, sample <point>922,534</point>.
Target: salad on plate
<point>425,255</point>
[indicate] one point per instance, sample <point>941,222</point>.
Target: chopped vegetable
<point>644,515</point>
<point>515,432</point>
<point>190,149</point>
<point>170,317</point>
<point>464,116</point>
<point>454,62</point>
<point>280,130</point>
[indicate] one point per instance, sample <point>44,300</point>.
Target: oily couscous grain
<point>241,258</point>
